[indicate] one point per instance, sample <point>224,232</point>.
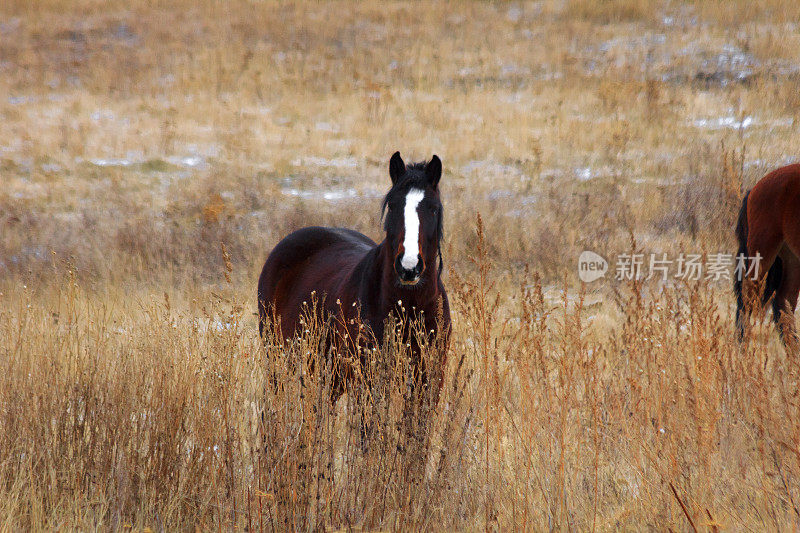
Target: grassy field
<point>152,154</point>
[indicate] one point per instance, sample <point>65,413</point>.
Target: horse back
<point>310,259</point>
<point>773,203</point>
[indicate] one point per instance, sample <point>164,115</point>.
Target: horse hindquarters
<point>764,238</point>
<point>267,283</point>
<point>276,307</point>
<point>769,226</point>
<point>752,242</point>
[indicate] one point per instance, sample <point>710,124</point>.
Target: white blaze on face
<point>411,240</point>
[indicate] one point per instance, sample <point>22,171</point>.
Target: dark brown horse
<point>769,226</point>
<point>354,280</point>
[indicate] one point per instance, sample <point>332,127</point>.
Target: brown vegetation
<point>136,137</point>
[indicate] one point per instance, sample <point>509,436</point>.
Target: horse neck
<point>421,295</point>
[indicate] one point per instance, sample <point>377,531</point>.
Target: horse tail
<point>741,236</point>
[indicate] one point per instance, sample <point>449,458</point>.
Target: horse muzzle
<point>409,276</point>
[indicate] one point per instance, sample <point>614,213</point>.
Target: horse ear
<point>433,170</point>
<point>397,168</point>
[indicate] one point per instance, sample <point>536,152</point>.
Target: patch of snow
<point>219,325</point>
<point>336,162</point>
<point>19,100</point>
<point>511,69</point>
<point>584,173</point>
<point>335,195</point>
<point>111,162</point>
<point>331,196</point>
<point>101,114</point>
<point>719,123</point>
<point>326,126</point>
<point>189,161</point>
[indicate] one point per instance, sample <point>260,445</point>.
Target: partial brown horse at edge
<point>769,226</point>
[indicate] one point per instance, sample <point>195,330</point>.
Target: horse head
<point>413,218</point>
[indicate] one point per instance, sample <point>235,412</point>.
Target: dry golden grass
<point>136,137</point>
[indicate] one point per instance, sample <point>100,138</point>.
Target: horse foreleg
<point>785,301</point>
<point>783,309</point>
